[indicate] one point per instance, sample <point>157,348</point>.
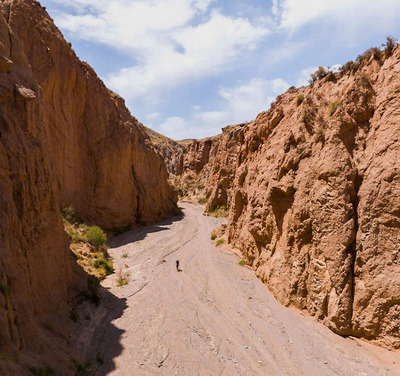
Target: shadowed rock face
<point>313,189</point>
<point>65,139</point>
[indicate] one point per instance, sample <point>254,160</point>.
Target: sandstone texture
<point>171,151</point>
<point>65,139</point>
<point>313,193</point>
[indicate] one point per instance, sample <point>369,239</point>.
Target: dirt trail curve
<point>213,318</point>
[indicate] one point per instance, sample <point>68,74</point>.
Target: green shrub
<point>350,67</point>
<point>106,265</point>
<point>122,279</point>
<point>333,107</point>
<point>46,371</point>
<point>76,236</point>
<point>300,99</point>
<point>389,46</point>
<point>241,263</point>
<point>202,200</point>
<point>320,73</point>
<point>213,235</point>
<point>96,236</point>
<point>220,241</point>
<point>70,215</point>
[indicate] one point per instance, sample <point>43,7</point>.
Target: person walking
<point>177,265</point>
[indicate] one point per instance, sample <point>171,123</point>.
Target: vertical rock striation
<point>312,188</point>
<point>65,139</point>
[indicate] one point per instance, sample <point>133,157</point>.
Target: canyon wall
<point>313,194</point>
<point>65,139</point>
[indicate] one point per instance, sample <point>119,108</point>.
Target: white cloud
<point>164,37</point>
<point>152,115</point>
<point>241,103</point>
<point>292,14</point>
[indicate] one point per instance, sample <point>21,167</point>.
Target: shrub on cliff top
<point>320,73</point>
<point>389,46</point>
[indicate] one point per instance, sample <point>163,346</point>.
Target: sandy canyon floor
<point>213,318</point>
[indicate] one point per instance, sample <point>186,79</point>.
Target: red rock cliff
<point>65,139</point>
<point>313,188</point>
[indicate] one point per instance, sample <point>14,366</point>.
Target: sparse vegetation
<point>70,215</point>
<point>220,241</point>
<point>122,280</point>
<point>105,267</point>
<point>320,73</point>
<point>85,369</point>
<point>389,46</point>
<point>241,262</point>
<point>213,235</point>
<point>125,255</point>
<point>202,200</point>
<point>374,52</point>
<point>96,236</point>
<point>87,243</point>
<point>219,212</point>
<point>45,371</point>
<point>349,67</point>
<point>333,107</point>
<point>299,99</point>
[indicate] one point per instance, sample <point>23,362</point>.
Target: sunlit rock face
<point>313,192</point>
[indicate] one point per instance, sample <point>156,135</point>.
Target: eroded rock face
<point>171,151</point>
<point>65,139</point>
<point>312,188</point>
<point>35,270</point>
<point>102,158</point>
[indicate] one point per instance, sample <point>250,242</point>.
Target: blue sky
<point>187,68</point>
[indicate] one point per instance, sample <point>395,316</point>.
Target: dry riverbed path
<point>213,318</point>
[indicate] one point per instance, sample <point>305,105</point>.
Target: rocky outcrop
<point>171,151</point>
<point>312,188</point>
<point>65,139</point>
<point>207,166</point>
